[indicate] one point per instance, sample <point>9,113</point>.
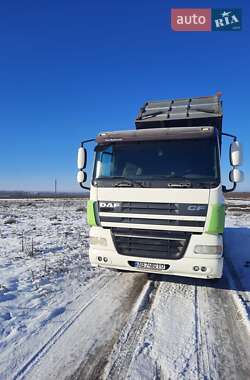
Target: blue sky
<point>70,69</point>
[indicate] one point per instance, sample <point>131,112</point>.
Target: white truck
<point>156,198</point>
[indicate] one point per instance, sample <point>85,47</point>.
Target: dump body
<point>191,112</point>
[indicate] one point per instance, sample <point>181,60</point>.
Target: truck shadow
<point>236,273</point>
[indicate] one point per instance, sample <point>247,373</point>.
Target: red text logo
<point>191,19</point>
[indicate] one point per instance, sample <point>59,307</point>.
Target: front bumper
<point>181,267</point>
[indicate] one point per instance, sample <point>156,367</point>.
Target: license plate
<point>139,264</point>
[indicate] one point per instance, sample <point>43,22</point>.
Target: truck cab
<point>156,197</point>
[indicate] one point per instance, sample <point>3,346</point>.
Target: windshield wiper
<point>179,184</point>
<point>180,181</point>
<point>184,181</point>
<point>170,177</point>
<point>126,182</point>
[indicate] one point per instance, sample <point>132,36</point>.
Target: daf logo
<point>196,208</point>
<point>109,204</point>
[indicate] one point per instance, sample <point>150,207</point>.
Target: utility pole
<point>55,186</point>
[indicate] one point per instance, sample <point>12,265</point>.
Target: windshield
<point>157,162</point>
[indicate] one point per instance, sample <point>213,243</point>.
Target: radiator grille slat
<point>167,222</point>
<point>161,244</point>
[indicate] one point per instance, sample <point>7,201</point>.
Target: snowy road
<point>193,332</point>
<point>160,328</point>
<point>91,332</point>
<point>110,325</point>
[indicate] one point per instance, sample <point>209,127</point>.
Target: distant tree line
<point>40,194</point>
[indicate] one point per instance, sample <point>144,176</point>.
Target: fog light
<point>105,259</point>
<point>203,269</point>
<point>195,268</point>
<point>94,240</point>
<point>99,258</point>
<point>208,249</point>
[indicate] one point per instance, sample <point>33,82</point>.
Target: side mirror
<point>81,176</point>
<point>235,153</point>
<point>236,175</point>
<point>82,158</point>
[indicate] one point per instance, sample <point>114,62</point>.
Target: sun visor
<point>156,134</point>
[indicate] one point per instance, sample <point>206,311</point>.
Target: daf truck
<point>156,195</point>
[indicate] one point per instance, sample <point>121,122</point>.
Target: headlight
<point>94,240</point>
<point>208,249</point>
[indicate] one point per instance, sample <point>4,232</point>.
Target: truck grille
<point>151,244</point>
<point>186,217</point>
<point>154,208</point>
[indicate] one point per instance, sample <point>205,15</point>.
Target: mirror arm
<point>84,187</point>
<point>225,190</point>
<point>228,134</point>
<point>86,141</point>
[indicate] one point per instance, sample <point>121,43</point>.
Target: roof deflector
<point>155,134</point>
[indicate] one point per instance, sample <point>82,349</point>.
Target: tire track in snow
<point>222,345</point>
<point>193,333</point>
<point>98,354</point>
<point>60,331</point>
<point>242,296</point>
<point>204,348</point>
<point>196,318</point>
<point>124,349</point>
<point>167,348</point>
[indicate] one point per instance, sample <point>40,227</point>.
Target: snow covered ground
<point>43,268</point>
<point>60,318</point>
